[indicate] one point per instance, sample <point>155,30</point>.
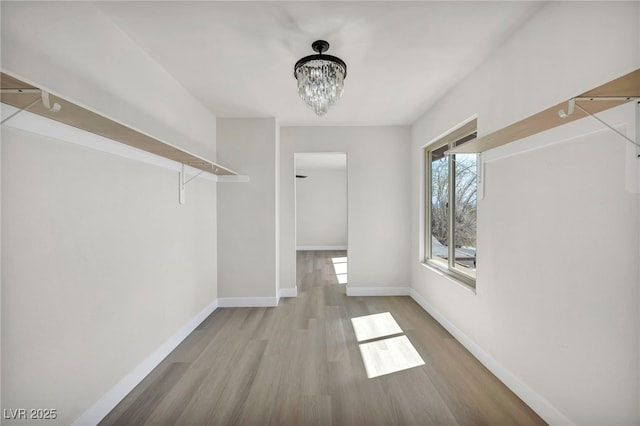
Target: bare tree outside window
<point>439,203</point>
<point>465,209</point>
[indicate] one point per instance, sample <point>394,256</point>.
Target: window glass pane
<point>439,172</point>
<point>465,212</point>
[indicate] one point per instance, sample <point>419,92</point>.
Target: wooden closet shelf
<point>81,118</point>
<point>625,86</point>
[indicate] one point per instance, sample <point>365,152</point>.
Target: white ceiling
<point>237,57</point>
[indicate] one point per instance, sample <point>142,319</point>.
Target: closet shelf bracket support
<point>183,183</point>
<point>572,105</point>
<point>44,98</point>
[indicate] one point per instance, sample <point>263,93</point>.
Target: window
<point>451,206</point>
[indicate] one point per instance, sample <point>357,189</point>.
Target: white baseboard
<point>247,302</point>
<point>288,292</point>
<point>541,406</point>
<point>317,248</point>
<point>377,291</point>
<point>105,404</point>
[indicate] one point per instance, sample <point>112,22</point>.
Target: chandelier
<point>320,78</point>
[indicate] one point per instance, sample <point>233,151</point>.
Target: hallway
<point>299,364</point>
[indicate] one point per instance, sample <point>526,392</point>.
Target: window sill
<point>454,278</point>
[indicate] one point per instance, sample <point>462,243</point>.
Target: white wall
<point>321,208</point>
<point>97,254</point>
<point>377,197</point>
<point>73,50</point>
<point>556,308</point>
<point>563,215</point>
<point>100,266</point>
<point>247,215</point>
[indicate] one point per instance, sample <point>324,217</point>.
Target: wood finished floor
<point>299,364</point>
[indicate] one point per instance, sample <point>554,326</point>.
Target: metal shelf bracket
<point>572,105</point>
<point>183,183</point>
<point>44,98</point>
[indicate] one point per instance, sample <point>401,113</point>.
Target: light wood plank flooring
<point>300,364</point>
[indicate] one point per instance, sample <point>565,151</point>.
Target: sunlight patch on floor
<point>340,268</point>
<point>384,356</point>
<point>389,356</point>
<point>375,326</point>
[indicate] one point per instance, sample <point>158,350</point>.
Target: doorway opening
<point>321,213</point>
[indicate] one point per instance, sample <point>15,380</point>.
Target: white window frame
<point>447,266</point>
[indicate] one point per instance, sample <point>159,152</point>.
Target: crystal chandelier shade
<point>320,78</point>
